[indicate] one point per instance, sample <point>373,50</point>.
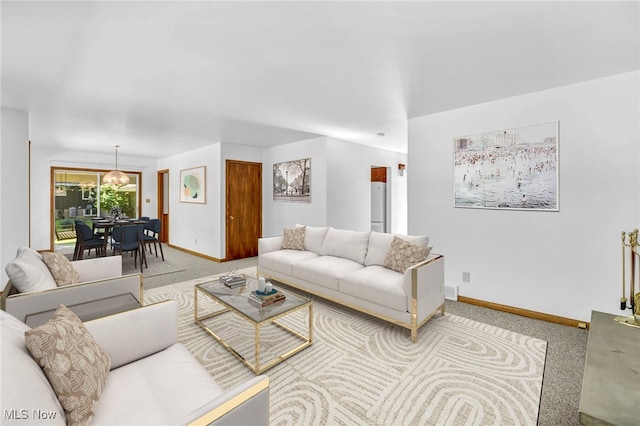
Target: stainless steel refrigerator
<point>379,206</point>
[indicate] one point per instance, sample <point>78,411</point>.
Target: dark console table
<point>611,384</point>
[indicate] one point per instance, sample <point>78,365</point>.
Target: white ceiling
<point>160,78</point>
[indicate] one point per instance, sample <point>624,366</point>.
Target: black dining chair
<point>129,238</point>
<point>87,240</point>
<point>152,235</point>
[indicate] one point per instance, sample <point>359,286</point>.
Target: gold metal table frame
<point>299,303</point>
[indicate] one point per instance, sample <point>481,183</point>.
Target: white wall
<point>196,227</point>
<point>349,185</point>
<point>278,215</point>
<point>43,158</point>
<point>201,227</point>
<point>340,186</point>
<point>564,263</point>
<point>14,185</point>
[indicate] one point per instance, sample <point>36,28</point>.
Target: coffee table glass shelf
<point>274,328</point>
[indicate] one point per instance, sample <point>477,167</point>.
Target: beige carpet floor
<point>154,266</point>
<point>361,370</point>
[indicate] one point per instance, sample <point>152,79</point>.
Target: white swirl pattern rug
<point>364,371</point>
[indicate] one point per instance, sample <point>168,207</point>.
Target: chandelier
<point>115,177</point>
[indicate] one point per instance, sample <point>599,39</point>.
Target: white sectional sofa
<point>36,290</point>
<point>347,267</point>
<point>153,379</point>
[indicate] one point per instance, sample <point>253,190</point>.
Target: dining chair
<point>129,238</point>
<point>87,240</point>
<point>152,235</point>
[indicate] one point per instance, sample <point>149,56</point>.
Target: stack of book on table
<point>266,299</point>
<point>232,281</point>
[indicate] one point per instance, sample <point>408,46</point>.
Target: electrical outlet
<point>196,241</point>
<point>466,277</point>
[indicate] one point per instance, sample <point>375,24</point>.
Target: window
<point>80,195</point>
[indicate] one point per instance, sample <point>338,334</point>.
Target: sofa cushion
<point>377,284</point>
<point>144,392</point>
<point>404,254</point>
<point>61,269</point>
<point>293,239</point>
<point>346,244</point>
<point>283,260</point>
<point>28,272</point>
<point>380,243</point>
<point>74,363</point>
<point>314,237</point>
<point>325,270</point>
<point>22,376</point>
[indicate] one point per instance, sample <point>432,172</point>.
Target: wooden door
<point>244,208</point>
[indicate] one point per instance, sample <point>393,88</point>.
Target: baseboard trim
<point>524,312</point>
<point>195,253</point>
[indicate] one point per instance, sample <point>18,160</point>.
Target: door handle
<point>231,217</point>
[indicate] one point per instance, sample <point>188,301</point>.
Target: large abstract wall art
<point>508,169</point>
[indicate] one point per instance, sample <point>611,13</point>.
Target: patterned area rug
<point>361,370</point>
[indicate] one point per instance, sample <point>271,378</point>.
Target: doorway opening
<point>163,204</point>
<point>380,212</point>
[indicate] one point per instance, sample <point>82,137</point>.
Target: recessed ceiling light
<point>380,134</point>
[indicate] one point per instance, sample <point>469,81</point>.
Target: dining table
<point>108,225</point>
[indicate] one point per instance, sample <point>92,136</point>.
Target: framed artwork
<point>292,181</point>
<point>193,185</point>
<point>508,169</point>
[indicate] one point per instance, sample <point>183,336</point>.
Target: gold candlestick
<point>623,299</point>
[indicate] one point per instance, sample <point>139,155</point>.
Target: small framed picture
<point>193,185</point>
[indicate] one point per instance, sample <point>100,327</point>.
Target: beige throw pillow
<point>61,268</point>
<point>403,254</point>
<point>294,238</point>
<point>74,363</point>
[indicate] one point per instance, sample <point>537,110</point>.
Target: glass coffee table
<point>237,301</point>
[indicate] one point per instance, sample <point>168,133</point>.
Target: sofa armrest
<point>98,268</point>
<point>244,404</point>
<point>267,244</point>
<point>131,335</point>
<point>22,304</point>
<point>427,285</point>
